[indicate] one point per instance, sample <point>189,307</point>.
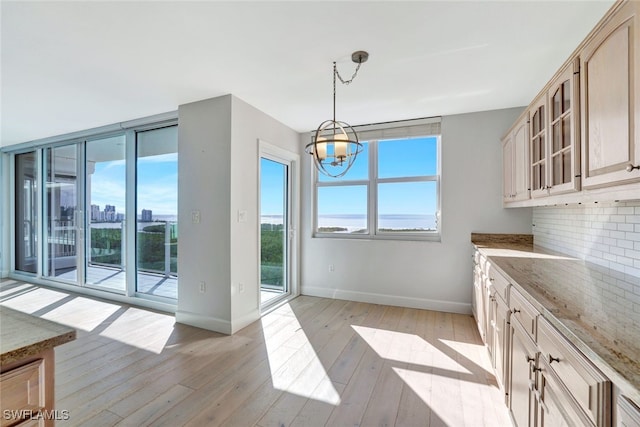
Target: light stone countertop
<point>23,335</point>
<point>596,308</point>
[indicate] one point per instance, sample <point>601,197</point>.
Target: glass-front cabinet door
<point>538,148</point>
<point>564,157</point>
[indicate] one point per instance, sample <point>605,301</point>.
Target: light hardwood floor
<point>312,362</point>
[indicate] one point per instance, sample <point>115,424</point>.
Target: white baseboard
<point>205,322</point>
<point>421,303</point>
<point>245,321</point>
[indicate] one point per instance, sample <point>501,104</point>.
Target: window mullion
<point>409,179</point>
<point>373,188</point>
<point>130,242</point>
<point>342,183</point>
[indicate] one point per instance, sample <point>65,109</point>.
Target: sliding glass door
<point>26,212</point>
<point>274,229</point>
<point>157,212</point>
<point>106,240</point>
<point>63,219</point>
<point>101,213</point>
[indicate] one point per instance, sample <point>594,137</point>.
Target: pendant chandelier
<point>334,145</point>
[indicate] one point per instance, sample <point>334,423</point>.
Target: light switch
<point>242,216</point>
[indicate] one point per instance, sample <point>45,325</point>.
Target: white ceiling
<point>69,66</point>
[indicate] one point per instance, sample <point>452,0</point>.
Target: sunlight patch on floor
<point>10,289</point>
<point>435,391</point>
<point>407,348</point>
<point>298,371</point>
<point>150,336</point>
<point>81,313</point>
<point>34,300</point>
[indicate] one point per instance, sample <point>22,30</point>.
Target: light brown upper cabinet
<point>563,149</point>
<point>555,157</point>
<point>538,147</point>
<point>515,156</point>
<point>610,95</point>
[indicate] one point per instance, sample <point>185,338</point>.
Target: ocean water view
<point>348,223</point>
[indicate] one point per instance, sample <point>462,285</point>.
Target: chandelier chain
<point>355,73</point>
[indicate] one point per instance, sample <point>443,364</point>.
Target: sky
<point>157,182</point>
<point>396,159</point>
<point>157,178</point>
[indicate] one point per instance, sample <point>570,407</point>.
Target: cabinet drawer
<point>523,311</point>
<point>588,386</point>
<point>628,414</point>
<point>499,283</point>
<point>22,388</point>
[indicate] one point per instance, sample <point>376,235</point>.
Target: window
<point>392,190</point>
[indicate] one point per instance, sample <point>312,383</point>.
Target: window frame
<point>372,183</point>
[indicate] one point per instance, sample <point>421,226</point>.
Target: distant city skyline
<point>110,214</point>
<point>157,183</point>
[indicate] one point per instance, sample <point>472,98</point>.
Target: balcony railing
<point>157,245</point>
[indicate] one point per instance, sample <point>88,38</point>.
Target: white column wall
<point>204,184</point>
<point>218,175</point>
<point>249,125</point>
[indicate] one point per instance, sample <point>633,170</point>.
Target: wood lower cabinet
<point>478,301</point>
<point>500,326</point>
<point>555,407</point>
<point>523,312</point>
<point>610,79</point>
<point>523,357</point>
<point>590,389</point>
<point>27,391</point>
<point>627,414</point>
<point>546,380</point>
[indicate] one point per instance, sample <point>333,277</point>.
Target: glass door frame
<point>129,209</point>
<point>79,213</point>
<point>291,257</point>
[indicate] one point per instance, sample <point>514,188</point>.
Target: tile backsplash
<point>606,234</point>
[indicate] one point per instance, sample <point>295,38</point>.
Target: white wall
<point>418,273</point>
<point>607,234</point>
<point>204,184</point>
<point>218,175</point>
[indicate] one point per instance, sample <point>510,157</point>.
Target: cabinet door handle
<point>528,358</point>
<point>553,359</point>
<point>514,311</point>
<point>631,168</point>
<point>540,400</point>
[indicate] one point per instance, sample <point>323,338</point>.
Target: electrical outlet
<point>331,268</point>
<point>195,217</point>
<point>240,288</point>
<point>203,287</point>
